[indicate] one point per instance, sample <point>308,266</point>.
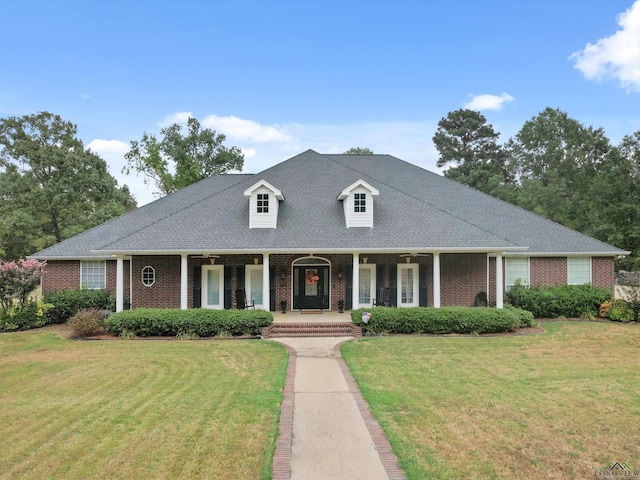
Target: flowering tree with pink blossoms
<point>18,279</point>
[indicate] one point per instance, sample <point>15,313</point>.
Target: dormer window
<point>357,201</point>
<point>263,203</point>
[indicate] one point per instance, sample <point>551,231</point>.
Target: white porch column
<point>184,281</point>
<point>499,282</point>
<point>355,291</point>
<point>119,283</point>
<point>436,280</point>
<point>266,292</point>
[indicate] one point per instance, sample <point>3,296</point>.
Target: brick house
<point>322,232</point>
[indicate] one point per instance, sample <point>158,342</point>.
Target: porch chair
<point>241,299</point>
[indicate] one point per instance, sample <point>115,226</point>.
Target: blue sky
<point>280,77</point>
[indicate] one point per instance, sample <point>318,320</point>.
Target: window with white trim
<point>360,202</point>
<point>578,270</point>
<point>93,274</point>
<point>263,202</point>
<point>516,270</point>
<point>148,276</point>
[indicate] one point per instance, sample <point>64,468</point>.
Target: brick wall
<point>462,277</point>
<point>548,271</point>
<point>165,292</point>
<point>61,275</point>
<point>603,272</point>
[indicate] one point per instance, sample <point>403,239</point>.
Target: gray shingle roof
<point>416,210</point>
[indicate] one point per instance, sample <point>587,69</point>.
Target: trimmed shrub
<point>200,322</point>
<point>440,320</point>
<point>620,311</point>
<point>66,303</point>
<point>86,323</point>
<point>24,317</point>
<point>570,301</point>
<point>526,317</point>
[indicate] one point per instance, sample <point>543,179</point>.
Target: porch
<point>297,282</point>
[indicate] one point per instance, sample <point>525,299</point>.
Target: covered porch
<point>327,282</point>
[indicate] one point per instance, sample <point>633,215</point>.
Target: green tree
<point>616,199</point>
<point>557,161</point>
<point>52,188</point>
<point>359,151</point>
<point>178,160</point>
<point>470,147</point>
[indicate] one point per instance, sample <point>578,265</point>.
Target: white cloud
<point>488,102</point>
<point>108,146</point>
<point>617,56</point>
<point>248,152</point>
<point>240,129</point>
<point>178,117</point>
<point>85,96</point>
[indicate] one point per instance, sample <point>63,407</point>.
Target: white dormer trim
<point>263,183</point>
<point>357,201</point>
<point>264,201</point>
<point>360,183</point>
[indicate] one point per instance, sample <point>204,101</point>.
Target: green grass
<point>137,409</point>
<point>557,405</point>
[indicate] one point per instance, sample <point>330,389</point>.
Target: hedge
<point>66,303</point>
<point>569,301</point>
<point>24,317</point>
<point>201,322</point>
<point>442,320</point>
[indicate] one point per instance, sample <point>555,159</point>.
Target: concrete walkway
<point>326,428</point>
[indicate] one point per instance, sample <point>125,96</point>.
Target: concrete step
<point>311,329</point>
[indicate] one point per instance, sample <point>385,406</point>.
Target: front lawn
<point>557,405</point>
<point>138,409</point>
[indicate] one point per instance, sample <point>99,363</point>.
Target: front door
<point>310,287</point>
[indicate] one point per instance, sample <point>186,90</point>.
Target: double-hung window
<point>516,270</point>
<point>360,202</point>
<point>93,274</point>
<point>578,270</point>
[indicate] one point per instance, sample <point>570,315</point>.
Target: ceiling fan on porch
<point>409,256</point>
<point>210,256</point>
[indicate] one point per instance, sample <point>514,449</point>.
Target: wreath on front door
<point>311,277</point>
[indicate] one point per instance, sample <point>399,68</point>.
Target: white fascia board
<point>314,250</point>
<point>263,183</point>
<point>102,256</point>
<point>360,183</point>
<point>567,254</point>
